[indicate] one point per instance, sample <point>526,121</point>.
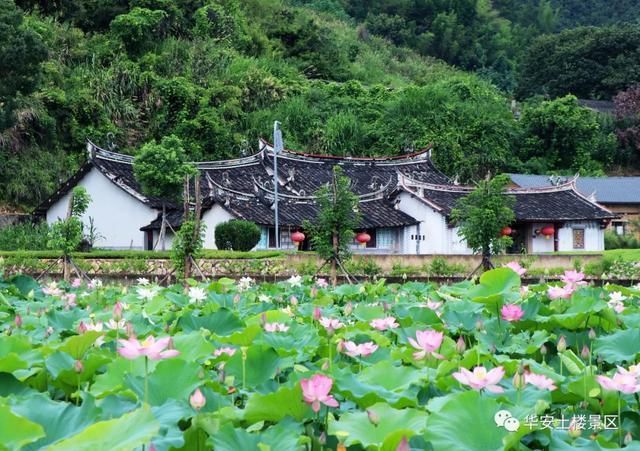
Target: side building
<point>405,203</point>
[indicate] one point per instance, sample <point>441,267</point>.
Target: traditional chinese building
<point>405,203</point>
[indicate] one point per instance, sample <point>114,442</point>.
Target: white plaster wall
<point>539,243</point>
<point>168,239</point>
<point>593,236</point>
<point>211,218</point>
<point>117,215</point>
<point>439,238</point>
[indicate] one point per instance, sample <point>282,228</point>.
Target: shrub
<point>614,241</point>
<point>439,267</point>
<point>237,235</point>
<point>24,236</point>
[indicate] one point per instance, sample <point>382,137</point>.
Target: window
<point>386,238</point>
<point>618,226</point>
<point>578,238</point>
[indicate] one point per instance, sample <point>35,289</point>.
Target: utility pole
<point>278,147</point>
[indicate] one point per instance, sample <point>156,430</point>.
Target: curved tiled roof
<point>551,203</point>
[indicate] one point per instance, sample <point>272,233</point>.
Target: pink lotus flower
<point>511,312</point>
<point>317,313</point>
<point>433,305</point>
<point>52,289</point>
<point>384,323</point>
<point>560,292</point>
<point>18,320</point>
<point>276,327</point>
<point>150,347</point>
<point>573,278</point>
<point>76,283</point>
<point>117,311</point>
<point>426,342</point>
<point>197,399</point>
<point>116,325</point>
<point>515,266</point>
<point>480,378</point>
<point>540,381</point>
<point>322,283</point>
<point>316,391</point>
<point>331,324</point>
<point>362,350</point>
<point>622,381</point>
<point>226,350</point>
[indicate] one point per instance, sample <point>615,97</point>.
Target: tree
<point>481,216</point>
<point>627,113</point>
<point>589,62</point>
<point>67,234</point>
<point>21,52</point>
<point>332,231</point>
<point>160,169</point>
<point>187,243</point>
<point>468,122</point>
<point>561,135</point>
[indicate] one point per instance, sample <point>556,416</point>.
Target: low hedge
<point>210,253</point>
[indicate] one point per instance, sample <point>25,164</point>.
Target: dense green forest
<point>491,84</point>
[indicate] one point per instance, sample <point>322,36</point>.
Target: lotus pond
<point>297,365</point>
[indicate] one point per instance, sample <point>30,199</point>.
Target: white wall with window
<point>575,236</point>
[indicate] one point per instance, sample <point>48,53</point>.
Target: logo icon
<point>503,418</point>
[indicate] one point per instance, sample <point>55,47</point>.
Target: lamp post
<point>278,147</point>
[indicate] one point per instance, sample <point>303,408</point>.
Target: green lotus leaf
<point>361,430</point>
<point>286,402</point>
<point>192,346</point>
<point>494,286</point>
<point>466,422</point>
<point>223,322</point>
<point>621,346</point>
<point>59,419</point>
<point>283,436</point>
<point>78,345</point>
<point>17,431</point>
<point>261,366</point>
<point>130,431</point>
<point>172,379</point>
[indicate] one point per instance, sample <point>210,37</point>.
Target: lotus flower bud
<point>117,311</point>
<point>403,445</point>
<point>628,438</point>
<point>340,345</point>
<point>317,313</point>
<point>348,309</point>
<point>82,328</point>
<point>263,319</point>
<point>48,332</point>
<point>543,350</point>
<point>461,346</point>
<point>373,417</point>
<point>18,321</point>
<point>236,299</point>
<point>314,292</point>
<point>385,306</point>
<point>197,399</point>
<point>592,334</point>
<point>325,365</point>
<point>322,439</point>
<point>574,430</point>
<point>479,325</point>
<point>78,366</point>
<point>585,352</point>
<point>518,380</point>
<point>562,344</point>
<point>129,329</point>
<point>293,300</point>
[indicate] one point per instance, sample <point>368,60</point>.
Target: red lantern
<point>506,231</point>
<point>297,238</point>
<point>363,238</point>
<point>548,231</point>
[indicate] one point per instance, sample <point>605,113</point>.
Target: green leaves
<point>465,421</point>
<point>359,428</point>
<point>273,407</point>
<point>621,346</point>
<point>127,432</point>
<point>17,431</point>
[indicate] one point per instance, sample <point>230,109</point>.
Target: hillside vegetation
<point>343,77</point>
